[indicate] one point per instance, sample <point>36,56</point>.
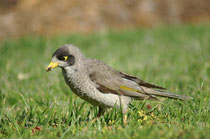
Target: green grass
<point>177,58</point>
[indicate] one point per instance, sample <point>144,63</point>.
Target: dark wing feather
<point>139,81</point>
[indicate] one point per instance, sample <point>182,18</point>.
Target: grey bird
<point>100,84</point>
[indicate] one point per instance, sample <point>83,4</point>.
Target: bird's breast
<point>78,83</point>
<point>83,87</point>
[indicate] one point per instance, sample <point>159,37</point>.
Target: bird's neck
<point>69,71</point>
<point>74,78</point>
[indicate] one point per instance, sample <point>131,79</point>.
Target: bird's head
<point>66,56</point>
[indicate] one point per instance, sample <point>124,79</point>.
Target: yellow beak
<point>51,66</point>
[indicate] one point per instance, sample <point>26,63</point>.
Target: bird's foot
<point>125,119</point>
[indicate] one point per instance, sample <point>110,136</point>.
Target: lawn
<point>37,104</point>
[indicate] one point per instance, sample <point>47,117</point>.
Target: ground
<point>37,104</point>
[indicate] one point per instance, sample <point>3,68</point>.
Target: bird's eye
<point>64,58</point>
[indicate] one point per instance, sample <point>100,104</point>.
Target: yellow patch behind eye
<point>130,89</point>
<point>65,58</point>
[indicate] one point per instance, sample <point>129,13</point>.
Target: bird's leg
<point>125,117</point>
<point>100,113</point>
<point>124,109</point>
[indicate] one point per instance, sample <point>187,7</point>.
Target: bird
<point>101,85</point>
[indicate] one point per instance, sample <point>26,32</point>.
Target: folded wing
<point>108,80</point>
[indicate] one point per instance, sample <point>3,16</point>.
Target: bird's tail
<point>160,93</point>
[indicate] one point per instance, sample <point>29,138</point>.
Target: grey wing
<point>109,80</point>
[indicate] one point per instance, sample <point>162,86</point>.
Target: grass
<point>36,104</point>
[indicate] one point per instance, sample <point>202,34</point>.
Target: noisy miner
<point>100,84</point>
